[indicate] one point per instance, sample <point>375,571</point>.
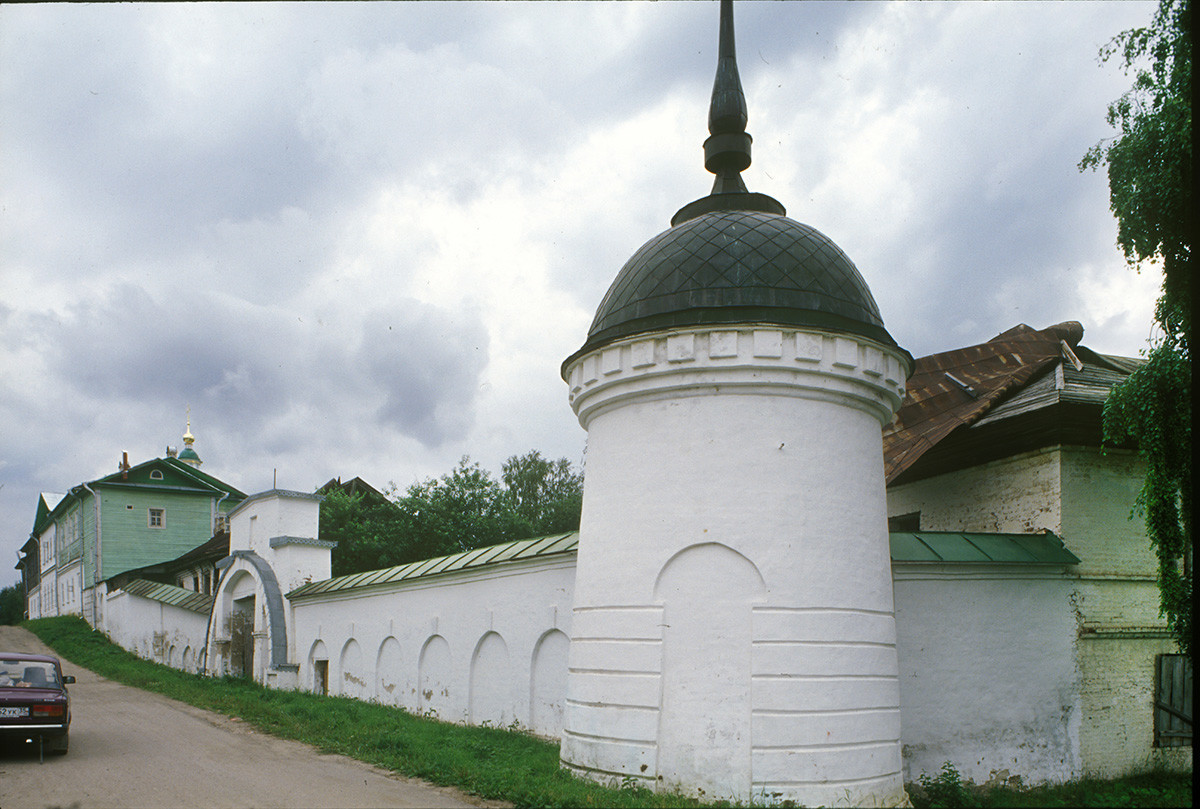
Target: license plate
<point>13,713</point>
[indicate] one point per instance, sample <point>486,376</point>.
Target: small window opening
<point>905,522</point>
<point>322,676</point>
<point>156,474</point>
<point>158,518</point>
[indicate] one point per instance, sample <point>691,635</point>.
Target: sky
<point>358,239</point>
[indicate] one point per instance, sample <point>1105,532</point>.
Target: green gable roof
<point>176,476</point>
<point>170,594</point>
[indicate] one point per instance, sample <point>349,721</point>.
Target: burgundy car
<point>34,703</point>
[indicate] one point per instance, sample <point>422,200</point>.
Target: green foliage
<point>464,509</point>
<point>548,495</point>
<point>1154,788</point>
<point>1153,408</point>
<point>461,510</point>
<point>369,535</point>
<point>12,604</point>
<point>945,790</point>
<point>1150,173</point>
<point>1151,181</point>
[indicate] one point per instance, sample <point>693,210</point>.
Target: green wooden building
<point>140,515</point>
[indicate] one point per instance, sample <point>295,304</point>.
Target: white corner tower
<point>733,632</point>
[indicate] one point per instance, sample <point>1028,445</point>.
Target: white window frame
<point>162,517</point>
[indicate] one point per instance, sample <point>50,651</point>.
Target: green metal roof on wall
<point>467,560</point>
<point>949,546</point>
<point>915,546</point>
<point>170,594</point>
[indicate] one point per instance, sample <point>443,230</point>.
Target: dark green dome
<point>737,266</point>
<point>733,257</point>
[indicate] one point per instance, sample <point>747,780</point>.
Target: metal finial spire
<point>727,150</point>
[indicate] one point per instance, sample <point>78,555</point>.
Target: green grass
<point>502,764</point>
<point>1154,788</point>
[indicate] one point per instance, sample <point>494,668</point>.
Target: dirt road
<point>131,748</point>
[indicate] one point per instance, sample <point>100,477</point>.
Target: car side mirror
<point>68,679</point>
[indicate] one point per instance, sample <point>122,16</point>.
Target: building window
<point>156,474</point>
<point>158,518</point>
<point>1173,701</point>
<point>905,522</point>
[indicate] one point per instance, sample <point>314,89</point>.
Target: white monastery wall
<point>155,631</point>
<point>478,647</point>
<point>1004,672</point>
<point>274,513</point>
<point>991,687</point>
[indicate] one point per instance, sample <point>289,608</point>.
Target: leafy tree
<point>370,535</point>
<point>1151,181</point>
<point>464,509</point>
<point>546,494</point>
<point>12,604</point>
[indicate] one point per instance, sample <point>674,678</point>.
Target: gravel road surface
<point>131,748</point>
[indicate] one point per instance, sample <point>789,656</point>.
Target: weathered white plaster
<point>273,547</point>
<point>988,679</point>
<point>1086,496</point>
<point>470,646</point>
<point>152,629</point>
<point>733,628</point>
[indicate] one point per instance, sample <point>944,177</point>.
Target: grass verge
<point>501,764</point>
<point>1154,788</point>
<point>494,763</point>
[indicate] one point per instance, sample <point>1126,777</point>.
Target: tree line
<point>1151,181</point>
<point>465,508</point>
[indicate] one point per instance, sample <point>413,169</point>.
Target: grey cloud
<point>427,368</point>
<point>252,364</point>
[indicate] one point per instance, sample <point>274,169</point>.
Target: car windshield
<point>18,673</point>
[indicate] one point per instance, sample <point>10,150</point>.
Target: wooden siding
<point>128,540</point>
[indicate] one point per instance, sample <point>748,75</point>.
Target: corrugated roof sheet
<point>170,594</point>
<point>1014,372</point>
<point>476,558</point>
<point>953,546</point>
<point>915,546</point>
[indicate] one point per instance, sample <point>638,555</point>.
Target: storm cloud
<point>359,238</point>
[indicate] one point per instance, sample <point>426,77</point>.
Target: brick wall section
<point>1015,495</point>
<point>1098,493</point>
<point>1117,734</point>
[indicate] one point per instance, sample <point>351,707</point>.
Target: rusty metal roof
<point>1019,371</point>
<point>952,546</point>
<point>170,594</point>
<point>467,560</point>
